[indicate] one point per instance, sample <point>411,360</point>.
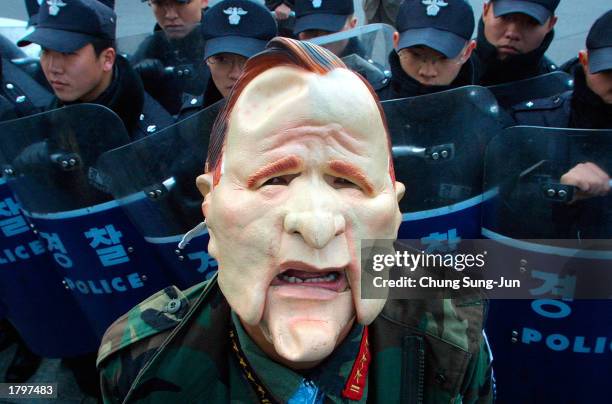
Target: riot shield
<point>560,248</point>
<point>51,168</point>
<point>168,66</point>
<point>364,50</point>
<point>154,181</point>
<point>546,85</point>
<point>36,303</point>
<point>438,150</point>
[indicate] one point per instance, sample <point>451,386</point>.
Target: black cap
<point>237,26</point>
<point>541,10</point>
<point>68,25</point>
<point>445,26</point>
<point>325,15</point>
<point>599,44</point>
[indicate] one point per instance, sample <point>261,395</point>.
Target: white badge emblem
<point>234,14</point>
<point>433,6</point>
<point>317,3</point>
<point>54,6</point>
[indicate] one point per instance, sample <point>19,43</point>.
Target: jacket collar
<point>124,96</point>
<point>513,68</point>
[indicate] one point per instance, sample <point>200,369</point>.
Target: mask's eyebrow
<point>282,166</point>
<point>352,172</point>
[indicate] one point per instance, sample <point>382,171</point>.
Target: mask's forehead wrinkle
<point>285,95</point>
<point>332,134</point>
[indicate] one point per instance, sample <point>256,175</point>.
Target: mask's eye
<point>282,180</point>
<point>339,182</point>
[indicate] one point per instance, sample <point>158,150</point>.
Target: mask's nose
<point>317,227</point>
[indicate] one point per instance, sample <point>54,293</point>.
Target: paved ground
<point>51,370</point>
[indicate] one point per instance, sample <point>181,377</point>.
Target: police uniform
<point>182,57</point>
<point>446,29</point>
<point>492,71</point>
<point>241,27</point>
<point>70,25</point>
<point>25,94</point>
<point>6,110</point>
<point>580,108</point>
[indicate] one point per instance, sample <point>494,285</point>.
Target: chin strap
<point>193,233</point>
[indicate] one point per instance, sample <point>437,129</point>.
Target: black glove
<point>150,69</point>
<point>34,157</point>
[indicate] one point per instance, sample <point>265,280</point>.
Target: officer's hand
<point>150,69</point>
<point>590,180</point>
<point>34,157</point>
<point>282,12</point>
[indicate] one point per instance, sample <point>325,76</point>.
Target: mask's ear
<point>204,183</point>
<point>400,189</point>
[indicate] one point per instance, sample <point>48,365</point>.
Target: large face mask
<point>305,177</point>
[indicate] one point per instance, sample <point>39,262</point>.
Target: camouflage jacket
<point>175,348</point>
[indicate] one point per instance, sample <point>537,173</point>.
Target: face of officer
<point>514,34</point>
<point>305,176</point>
<point>78,76</point>
<point>600,83</point>
<point>336,47</point>
<point>225,69</point>
<point>430,67</point>
<point>177,19</point>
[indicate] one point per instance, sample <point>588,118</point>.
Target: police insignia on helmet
<point>234,14</point>
<point>434,6</point>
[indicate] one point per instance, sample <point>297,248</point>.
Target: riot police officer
<point>32,7</point>
<point>81,65</point>
<point>512,39</point>
<point>234,31</point>
<point>176,45</point>
<point>433,49</point>
<point>588,106</point>
<point>315,18</point>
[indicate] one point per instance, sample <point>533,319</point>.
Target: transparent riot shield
<point>556,240</point>
<point>35,301</point>
<point>546,85</point>
<point>50,164</point>
<point>169,64</point>
<point>154,180</point>
<point>438,150</point>
<point>364,49</point>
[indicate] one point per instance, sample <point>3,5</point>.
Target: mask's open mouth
<point>330,280</point>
